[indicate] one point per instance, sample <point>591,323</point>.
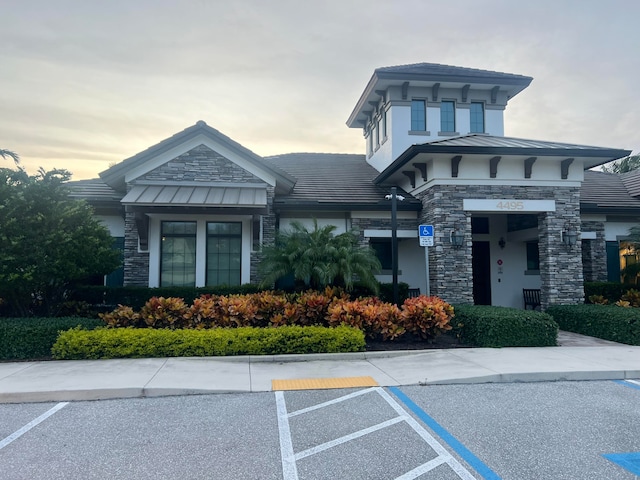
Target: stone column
<point>451,271</point>
<point>594,253</point>
<point>136,264</point>
<point>561,265</point>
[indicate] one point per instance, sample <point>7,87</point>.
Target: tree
<point>625,165</point>
<point>47,241</point>
<point>319,258</point>
<point>9,153</point>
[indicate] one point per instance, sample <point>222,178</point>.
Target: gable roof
<point>607,192</point>
<point>115,176</point>
<point>484,144</point>
<point>427,74</point>
<point>334,181</point>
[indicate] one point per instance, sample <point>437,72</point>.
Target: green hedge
<point>32,338</point>
<point>486,326</point>
<point>136,297</point>
<point>612,291</point>
<point>608,322</point>
<point>139,343</point>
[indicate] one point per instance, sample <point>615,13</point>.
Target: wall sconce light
<point>569,237</point>
<point>502,242</point>
<point>456,237</point>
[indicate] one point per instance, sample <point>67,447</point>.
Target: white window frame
<point>155,239</point>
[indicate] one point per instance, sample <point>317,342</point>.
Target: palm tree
<point>319,258</point>
<point>9,153</point>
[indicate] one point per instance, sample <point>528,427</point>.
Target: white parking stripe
<point>18,433</point>
<point>289,467</point>
<point>427,437</point>
<point>289,457</point>
<point>331,402</point>
<point>635,382</point>
<point>346,438</point>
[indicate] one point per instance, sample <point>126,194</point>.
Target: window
<point>224,253</point>
<point>448,116</point>
<point>384,124</point>
<point>178,254</point>
<point>418,116</point>
<point>477,117</point>
<point>533,256</point>
<point>382,247</point>
<point>378,135</point>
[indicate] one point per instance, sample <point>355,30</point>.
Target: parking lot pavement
<point>534,431</point>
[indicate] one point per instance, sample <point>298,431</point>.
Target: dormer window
<point>477,117</point>
<point>448,116</point>
<point>418,116</point>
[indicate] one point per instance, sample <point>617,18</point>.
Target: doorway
<point>481,264</point>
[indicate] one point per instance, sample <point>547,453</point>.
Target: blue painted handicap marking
<point>629,461</point>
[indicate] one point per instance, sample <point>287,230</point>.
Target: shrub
<point>373,317</point>
<point>160,312</point>
<point>487,326</point>
<point>632,296</point>
<point>608,322</point>
<point>78,343</point>
<point>612,291</point>
<point>32,338</point>
<point>136,297</point>
<point>427,317</point>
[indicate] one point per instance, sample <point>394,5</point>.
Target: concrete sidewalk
<point>577,358</point>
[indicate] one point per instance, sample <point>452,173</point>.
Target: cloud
<point>88,83</point>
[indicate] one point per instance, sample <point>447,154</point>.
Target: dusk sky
<point>86,84</point>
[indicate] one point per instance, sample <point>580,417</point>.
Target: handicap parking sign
<point>425,232</point>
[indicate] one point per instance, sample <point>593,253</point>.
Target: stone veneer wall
<point>360,224</point>
<point>561,266</point>
<point>136,264</point>
<point>200,164</point>
<point>268,235</point>
<point>451,272</point>
<point>594,253</point>
<point>450,269</point>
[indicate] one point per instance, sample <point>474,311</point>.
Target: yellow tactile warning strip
<point>322,383</point>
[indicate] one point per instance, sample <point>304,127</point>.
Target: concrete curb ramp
<point>151,377</point>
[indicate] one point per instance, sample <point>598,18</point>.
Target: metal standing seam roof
<point>431,73</point>
<point>174,195</point>
<point>484,144</point>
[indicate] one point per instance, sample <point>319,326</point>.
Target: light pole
<point>394,197</point>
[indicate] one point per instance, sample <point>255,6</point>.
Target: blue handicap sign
<point>426,230</point>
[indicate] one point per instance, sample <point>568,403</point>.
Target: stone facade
<point>136,263</point>
<point>201,164</point>
<point>451,270</point>
<point>594,253</point>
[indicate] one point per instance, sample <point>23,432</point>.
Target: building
<point>507,213</point>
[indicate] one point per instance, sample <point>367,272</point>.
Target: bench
<point>413,293</point>
<point>531,298</point>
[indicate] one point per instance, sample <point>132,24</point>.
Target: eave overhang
<point>455,77</point>
<point>592,157</point>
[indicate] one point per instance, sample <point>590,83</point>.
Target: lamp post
<point>394,197</point>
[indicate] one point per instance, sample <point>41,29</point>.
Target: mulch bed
<point>412,342</point>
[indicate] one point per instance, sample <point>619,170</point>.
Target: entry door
<point>481,273</point>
